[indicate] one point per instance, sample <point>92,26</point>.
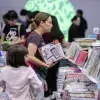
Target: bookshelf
<point>83,70</point>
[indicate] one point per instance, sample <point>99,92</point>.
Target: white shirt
<point>18,81</point>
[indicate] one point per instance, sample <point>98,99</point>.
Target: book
<point>92,66</point>
<point>71,51</point>
<point>52,52</point>
<point>82,55</point>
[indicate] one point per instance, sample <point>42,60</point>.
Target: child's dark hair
<point>16,56</point>
<point>11,15</point>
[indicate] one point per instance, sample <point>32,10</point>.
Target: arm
<point>5,31</point>
<point>34,80</point>
<point>2,37</point>
<point>32,48</point>
<point>22,32</point>
<point>64,43</point>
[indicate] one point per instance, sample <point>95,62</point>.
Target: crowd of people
<point>27,76</point>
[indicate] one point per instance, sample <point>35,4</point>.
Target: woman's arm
<point>2,37</point>
<point>32,48</point>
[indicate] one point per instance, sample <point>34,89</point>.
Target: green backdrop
<point>62,9</point>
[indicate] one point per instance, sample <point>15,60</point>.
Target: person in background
<point>13,31</point>
<point>24,12</point>
<point>16,78</point>
<point>29,17</point>
<point>42,24</point>
<point>55,34</point>
<point>73,30</point>
<point>83,24</point>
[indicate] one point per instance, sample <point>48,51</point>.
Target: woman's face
<point>47,25</point>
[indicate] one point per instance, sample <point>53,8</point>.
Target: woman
<point>73,30</point>
<point>42,24</point>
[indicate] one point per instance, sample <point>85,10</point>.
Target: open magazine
<point>52,52</point>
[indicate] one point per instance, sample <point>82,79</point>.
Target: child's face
<point>12,22</point>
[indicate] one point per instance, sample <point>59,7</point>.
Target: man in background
<point>73,30</point>
<point>83,24</point>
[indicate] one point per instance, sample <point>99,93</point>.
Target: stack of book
<point>77,54</point>
<point>92,66</point>
<point>79,86</point>
<point>85,41</point>
<point>61,78</point>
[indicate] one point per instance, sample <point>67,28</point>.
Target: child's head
<point>11,17</point>
<point>16,56</point>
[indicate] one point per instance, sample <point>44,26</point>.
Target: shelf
<point>83,71</point>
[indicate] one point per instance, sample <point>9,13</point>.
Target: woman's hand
<point>50,65</point>
<point>45,86</point>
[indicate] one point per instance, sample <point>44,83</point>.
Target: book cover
<point>81,58</point>
<point>52,52</point>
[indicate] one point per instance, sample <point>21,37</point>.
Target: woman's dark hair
<point>55,34</point>
<point>16,56</point>
<point>11,15</point>
<point>24,12</point>
<point>55,31</point>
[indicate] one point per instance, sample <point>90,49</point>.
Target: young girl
<point>17,77</point>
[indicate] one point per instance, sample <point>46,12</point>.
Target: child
<point>14,31</point>
<point>17,77</point>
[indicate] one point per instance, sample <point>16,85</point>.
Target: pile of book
<point>85,41</point>
<point>2,58</point>
<point>79,86</point>
<point>61,78</point>
<point>4,96</point>
<point>72,84</point>
<point>77,54</point>
<point>92,65</point>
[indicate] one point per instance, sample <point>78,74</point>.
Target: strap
<point>19,26</point>
<point>26,41</point>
